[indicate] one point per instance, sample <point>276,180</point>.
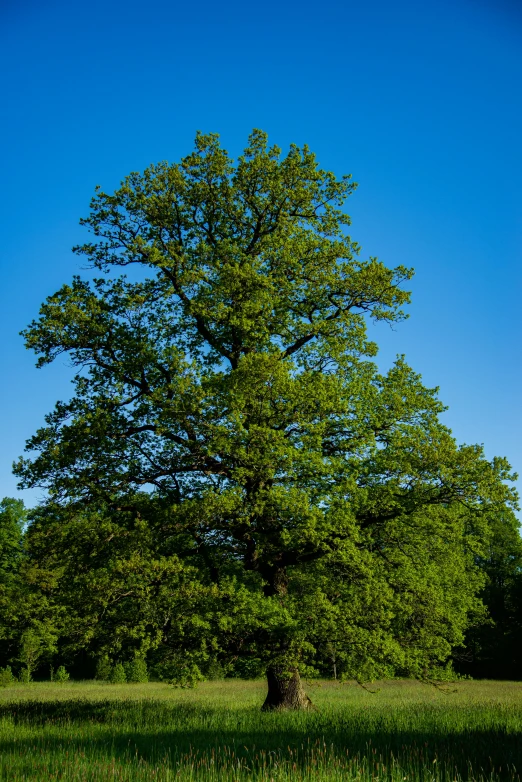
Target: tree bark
<point>285,692</point>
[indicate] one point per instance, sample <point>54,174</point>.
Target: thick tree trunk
<point>285,692</point>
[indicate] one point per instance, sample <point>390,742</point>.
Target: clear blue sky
<point>420,101</point>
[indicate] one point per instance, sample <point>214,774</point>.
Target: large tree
<point>230,379</point>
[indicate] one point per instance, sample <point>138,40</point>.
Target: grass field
<point>405,731</point>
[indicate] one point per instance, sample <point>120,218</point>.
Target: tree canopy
<point>13,518</point>
<point>228,417</point>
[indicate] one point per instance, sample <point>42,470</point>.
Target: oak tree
<point>225,380</point>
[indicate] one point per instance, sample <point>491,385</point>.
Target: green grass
<point>406,731</point>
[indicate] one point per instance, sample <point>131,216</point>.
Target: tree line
<point>97,605</point>
<point>234,485</point>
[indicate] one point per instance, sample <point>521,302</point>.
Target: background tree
<point>13,518</point>
<point>26,628</point>
<point>26,618</point>
<point>493,648</point>
<point>320,500</point>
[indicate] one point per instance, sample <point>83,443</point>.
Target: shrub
<point>179,669</point>
<point>187,676</point>
<point>215,671</point>
<point>136,670</point>
<point>61,675</point>
<point>31,648</point>
<point>118,674</point>
<point>7,677</point>
<point>24,676</point>
<point>103,669</point>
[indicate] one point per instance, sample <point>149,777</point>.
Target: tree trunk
<point>285,692</point>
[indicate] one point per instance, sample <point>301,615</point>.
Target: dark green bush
<point>136,670</point>
<point>118,675</point>
<point>103,669</point>
<point>61,675</point>
<point>7,677</point>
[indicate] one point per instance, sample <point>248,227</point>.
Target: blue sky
<point>421,102</point>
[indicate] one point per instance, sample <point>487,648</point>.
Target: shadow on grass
<point>177,733</point>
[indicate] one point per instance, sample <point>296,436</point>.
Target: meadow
<point>401,731</point>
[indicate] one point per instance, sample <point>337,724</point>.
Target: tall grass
<point>405,731</point>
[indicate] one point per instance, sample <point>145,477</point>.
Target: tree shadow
<point>162,732</point>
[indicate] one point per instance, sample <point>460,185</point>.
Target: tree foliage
<point>233,477</point>
<point>13,517</point>
<point>493,648</point>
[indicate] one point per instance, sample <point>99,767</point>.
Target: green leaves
<point>13,518</point>
<point>256,487</point>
